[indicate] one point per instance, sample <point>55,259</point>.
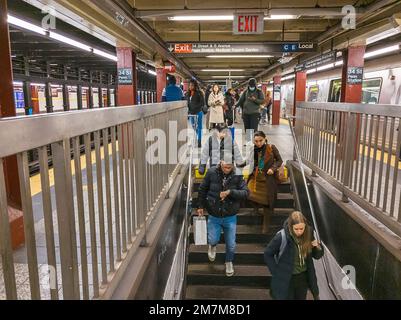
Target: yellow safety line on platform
<point>284,121</point>
<point>36,186</point>
<point>331,138</point>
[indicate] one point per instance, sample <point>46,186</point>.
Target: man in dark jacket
<point>220,194</point>
<point>250,102</point>
<point>285,268</point>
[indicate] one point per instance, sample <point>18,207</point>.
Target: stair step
<point>249,234</point>
<point>226,293</point>
<point>282,188</point>
<point>214,274</point>
<point>256,219</point>
<point>245,254</point>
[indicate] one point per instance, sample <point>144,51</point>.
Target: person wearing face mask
<point>289,257</point>
<point>250,102</point>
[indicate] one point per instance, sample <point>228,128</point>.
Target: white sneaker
<point>211,253</point>
<point>229,269</point>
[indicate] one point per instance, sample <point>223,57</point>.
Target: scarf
<point>259,157</point>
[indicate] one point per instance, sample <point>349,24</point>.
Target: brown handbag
<point>282,174</point>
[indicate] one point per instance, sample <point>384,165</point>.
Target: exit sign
<point>245,23</point>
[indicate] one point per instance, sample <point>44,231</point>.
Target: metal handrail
<point>356,148</point>
<point>45,129</point>
<point>187,206</point>
<point>123,200</point>
<point>388,110</point>
<point>301,166</point>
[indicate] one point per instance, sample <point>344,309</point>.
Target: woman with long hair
<point>216,102</point>
<point>196,101</point>
<point>264,160</point>
<point>289,257</point>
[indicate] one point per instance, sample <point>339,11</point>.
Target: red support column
<point>126,64</point>
<point>186,85</point>
<point>299,91</point>
<point>161,82</point>
<point>276,100</point>
<point>35,99</point>
<point>7,109</point>
<point>352,74</point>
<point>351,84</point>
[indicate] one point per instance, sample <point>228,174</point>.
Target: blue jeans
<point>197,125</point>
<point>229,225</point>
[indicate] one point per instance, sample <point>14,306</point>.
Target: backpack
<point>282,245</point>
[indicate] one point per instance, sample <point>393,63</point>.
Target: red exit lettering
<point>248,23</point>
<point>183,48</point>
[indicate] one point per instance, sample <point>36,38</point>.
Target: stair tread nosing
<point>207,269</point>
<point>240,248</point>
<point>226,293</point>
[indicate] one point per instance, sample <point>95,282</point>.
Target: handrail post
<point>316,135</point>
<point>326,272</point>
<point>349,154</point>
<point>66,221</point>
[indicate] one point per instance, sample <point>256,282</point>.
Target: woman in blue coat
<point>289,259</point>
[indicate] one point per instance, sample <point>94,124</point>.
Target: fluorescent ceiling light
<point>201,18</point>
<point>105,55</point>
<point>325,67</point>
<point>222,70</point>
<point>383,35</point>
<point>338,63</point>
<point>382,51</point>
<point>311,71</point>
<point>291,76</point>
<point>69,41</point>
<point>281,17</point>
<point>219,77</point>
<point>38,84</point>
<point>25,25</point>
<point>17,83</point>
<point>240,56</point>
<point>152,72</point>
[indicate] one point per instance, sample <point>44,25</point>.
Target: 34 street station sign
<point>200,49</point>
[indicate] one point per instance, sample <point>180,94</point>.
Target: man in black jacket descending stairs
<point>220,194</point>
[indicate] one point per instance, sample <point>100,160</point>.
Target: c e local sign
<point>248,23</point>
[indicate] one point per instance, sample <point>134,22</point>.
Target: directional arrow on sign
<point>171,48</point>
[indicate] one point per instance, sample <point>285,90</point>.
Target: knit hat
<point>252,82</point>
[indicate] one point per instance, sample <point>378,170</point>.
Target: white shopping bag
<point>200,231</point>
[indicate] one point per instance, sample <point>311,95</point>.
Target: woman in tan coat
<point>264,162</point>
<point>216,102</point>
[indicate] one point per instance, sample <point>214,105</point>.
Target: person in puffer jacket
<point>220,194</point>
<point>292,269</point>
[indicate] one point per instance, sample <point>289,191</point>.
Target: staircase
<point>207,280</point>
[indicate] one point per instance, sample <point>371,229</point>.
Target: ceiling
<point>145,26</point>
<point>313,18</point>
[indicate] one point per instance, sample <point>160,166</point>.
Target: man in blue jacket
<point>172,92</point>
